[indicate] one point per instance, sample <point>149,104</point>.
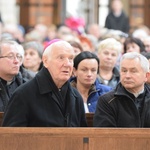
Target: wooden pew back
<point>1,117</point>
<point>89,119</point>
<point>74,139</point>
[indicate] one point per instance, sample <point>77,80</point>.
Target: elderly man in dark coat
<point>48,100</point>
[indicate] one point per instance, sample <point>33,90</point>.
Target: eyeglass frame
<point>12,57</point>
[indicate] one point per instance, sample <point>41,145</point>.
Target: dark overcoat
<point>35,105</point>
<point>117,109</point>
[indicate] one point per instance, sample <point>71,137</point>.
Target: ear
<point>148,77</point>
<point>44,59</point>
<point>74,71</point>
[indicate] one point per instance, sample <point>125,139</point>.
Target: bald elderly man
<point>48,100</point>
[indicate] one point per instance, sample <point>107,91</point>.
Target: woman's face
<point>32,59</point>
<point>87,72</point>
<point>133,47</point>
<point>108,58</point>
<point>76,50</point>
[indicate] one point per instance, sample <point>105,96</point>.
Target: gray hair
<point>48,50</point>
<point>34,45</point>
<point>9,42</point>
<point>18,46</point>
<point>143,60</point>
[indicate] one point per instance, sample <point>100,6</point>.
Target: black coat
<point>117,109</point>
<point>35,105</point>
<point>117,23</point>
<point>4,97</point>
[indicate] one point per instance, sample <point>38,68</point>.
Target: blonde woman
<point>109,51</point>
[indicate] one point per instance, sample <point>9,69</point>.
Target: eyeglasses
<point>12,57</point>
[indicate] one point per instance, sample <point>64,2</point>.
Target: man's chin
<point>128,86</point>
<point>14,73</point>
<point>65,78</point>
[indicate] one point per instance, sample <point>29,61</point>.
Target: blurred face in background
<point>76,50</point>
<point>116,6</point>
<point>108,58</point>
<point>63,32</point>
<point>133,47</point>
<point>32,60</point>
<point>147,44</point>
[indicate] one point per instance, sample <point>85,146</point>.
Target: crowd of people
<point>51,76</point>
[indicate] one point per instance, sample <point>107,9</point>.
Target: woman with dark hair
<point>86,65</point>
<point>133,44</point>
<point>76,46</point>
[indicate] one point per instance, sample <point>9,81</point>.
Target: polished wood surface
<point>74,139</point>
<point>1,117</point>
<point>89,119</point>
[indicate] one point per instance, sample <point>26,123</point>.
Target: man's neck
<point>105,74</point>
<point>136,93</point>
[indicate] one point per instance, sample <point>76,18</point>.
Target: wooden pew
<point>89,119</point>
<point>74,139</point>
<point>1,117</point>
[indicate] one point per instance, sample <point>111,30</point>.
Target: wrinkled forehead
<point>62,47</point>
<point>58,48</point>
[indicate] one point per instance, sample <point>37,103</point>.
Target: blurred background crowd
<point>115,30</point>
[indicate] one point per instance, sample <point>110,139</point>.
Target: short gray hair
<point>34,45</point>
<point>7,42</point>
<point>60,43</point>
<point>143,60</point>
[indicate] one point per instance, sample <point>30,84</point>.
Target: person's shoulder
<point>108,96</point>
<point>102,86</point>
<point>124,14</point>
<point>110,14</point>
<point>116,71</point>
<point>27,74</point>
<point>147,86</point>
<point>27,86</point>
<point>74,91</point>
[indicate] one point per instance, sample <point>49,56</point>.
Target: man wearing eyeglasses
<point>10,77</point>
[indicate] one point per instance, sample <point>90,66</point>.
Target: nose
<point>127,74</point>
<point>89,73</point>
<point>68,62</point>
<point>130,49</point>
<point>16,59</point>
<point>109,56</point>
<point>27,56</point>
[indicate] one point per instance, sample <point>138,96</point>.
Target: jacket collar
<point>44,82</point>
<point>116,72</point>
<point>120,90</point>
